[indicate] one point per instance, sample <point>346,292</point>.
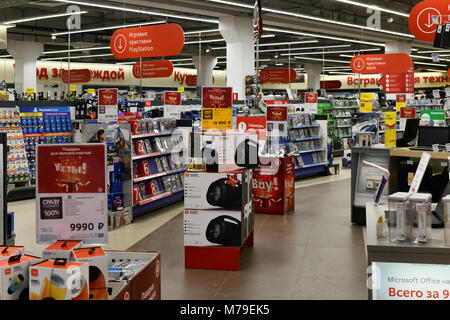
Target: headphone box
<point>61,249</point>
<point>98,271</point>
<point>14,277</point>
<point>59,279</point>
<point>6,251</point>
<point>221,191</point>
<point>217,228</point>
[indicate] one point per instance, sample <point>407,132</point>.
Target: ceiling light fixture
<point>365,5</point>
<point>50,16</point>
<point>305,48</point>
<point>433,51</point>
<point>118,8</point>
<point>204,41</point>
<point>202,31</point>
<point>430,64</point>
<point>79,57</point>
<point>77,50</point>
<point>302,16</point>
<point>109,28</point>
<point>325,60</point>
<point>325,37</point>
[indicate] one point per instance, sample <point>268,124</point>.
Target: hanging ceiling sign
<point>425,18</point>
<point>149,41</point>
<point>76,76</point>
<point>277,75</point>
<point>153,69</point>
<point>381,63</point>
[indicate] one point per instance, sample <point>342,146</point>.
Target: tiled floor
<point>312,253</point>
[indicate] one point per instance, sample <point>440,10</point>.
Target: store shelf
<point>310,151</point>
<point>312,165</point>
<point>153,134</point>
<point>345,126</point>
<point>306,139</point>
<point>156,175</point>
<point>154,154</point>
<point>306,126</point>
<point>343,117</point>
<point>160,196</point>
<point>46,134</point>
<point>345,136</point>
<point>346,107</point>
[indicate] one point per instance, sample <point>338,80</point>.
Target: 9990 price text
<point>85,226</point>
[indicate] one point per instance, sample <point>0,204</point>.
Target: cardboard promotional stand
<point>273,185</point>
<point>218,215</point>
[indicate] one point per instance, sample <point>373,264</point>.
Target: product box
<point>217,228</point>
<point>14,277</point>
<point>220,191</point>
<point>98,271</point>
<point>141,270</point>
<point>6,251</point>
<point>273,185</point>
<point>118,290</point>
<point>59,279</point>
<point>61,249</point>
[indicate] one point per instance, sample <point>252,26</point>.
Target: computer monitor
<point>433,135</point>
<point>411,127</point>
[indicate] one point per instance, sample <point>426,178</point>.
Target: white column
<point>238,33</point>
<point>25,54</point>
<point>205,78</point>
<point>313,71</point>
<point>398,47</point>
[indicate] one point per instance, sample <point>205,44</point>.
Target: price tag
<point>444,164</point>
<point>447,92</point>
<point>365,107</point>
<point>217,118</point>
<point>390,119</point>
<point>91,91</point>
<point>436,94</point>
<point>410,162</point>
<point>180,89</point>
<point>73,87</point>
<point>390,139</point>
<point>30,90</point>
<point>435,147</point>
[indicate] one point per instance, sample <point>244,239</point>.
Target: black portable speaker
<point>439,36</point>
<point>223,195</point>
<point>247,154</point>
<point>224,230</point>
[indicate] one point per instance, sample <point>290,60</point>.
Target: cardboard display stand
<point>218,218</point>
<point>273,185</point>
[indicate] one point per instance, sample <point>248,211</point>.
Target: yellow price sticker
<point>73,87</point>
<point>217,118</point>
<point>390,138</point>
<point>390,118</point>
<point>399,105</point>
<point>91,91</point>
<point>366,97</point>
<point>365,106</point>
<point>181,89</point>
<point>30,90</point>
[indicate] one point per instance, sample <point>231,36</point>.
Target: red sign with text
<point>330,84</point>
<point>76,76</point>
<point>153,69</point>
<point>217,97</point>
<point>172,98</point>
<point>277,75</point>
<point>399,82</point>
<point>381,63</point>
<point>408,112</point>
<point>275,102</point>
<point>426,16</point>
<point>277,113</point>
<point>310,97</point>
<point>149,41</point>
<point>253,125</point>
<point>107,97</point>
<point>71,168</point>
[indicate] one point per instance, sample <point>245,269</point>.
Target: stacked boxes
<point>218,208</point>
<point>98,271</point>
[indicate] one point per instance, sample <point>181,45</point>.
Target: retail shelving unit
<point>324,108</point>
<point>342,110</point>
<point>161,182</point>
<point>307,141</point>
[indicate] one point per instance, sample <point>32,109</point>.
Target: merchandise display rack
<point>157,179</point>
<point>307,141</point>
<point>324,108</point>
<point>342,111</point>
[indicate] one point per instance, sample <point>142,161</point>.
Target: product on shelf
<point>400,218</point>
<point>7,251</point>
<point>61,249</point>
<point>98,271</point>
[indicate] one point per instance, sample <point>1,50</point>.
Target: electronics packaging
<point>98,271</point>
<point>14,277</point>
<point>400,218</point>
<point>61,249</point>
<point>59,279</point>
<point>420,205</point>
<point>6,251</point>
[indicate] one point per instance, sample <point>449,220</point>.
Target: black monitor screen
<point>432,135</point>
<point>411,128</point>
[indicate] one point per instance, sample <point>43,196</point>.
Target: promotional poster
<point>107,105</point>
<point>71,193</point>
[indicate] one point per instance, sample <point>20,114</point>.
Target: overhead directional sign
<point>149,41</point>
<point>425,18</point>
<point>76,76</point>
<point>277,75</point>
<point>381,63</point>
<point>153,69</point>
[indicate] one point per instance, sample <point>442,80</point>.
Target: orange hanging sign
<point>425,17</point>
<point>153,69</point>
<point>149,41</point>
<point>381,63</point>
<point>277,75</point>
